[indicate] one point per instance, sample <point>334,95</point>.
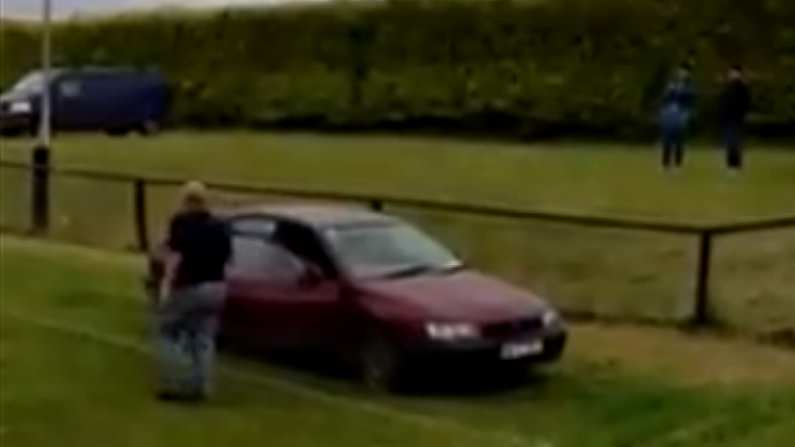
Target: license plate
<point>513,351</point>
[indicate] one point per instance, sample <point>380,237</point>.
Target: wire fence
<point>590,266</point>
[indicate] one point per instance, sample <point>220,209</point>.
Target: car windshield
<point>389,250</point>
<point>30,83</point>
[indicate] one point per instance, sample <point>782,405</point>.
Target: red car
<point>374,289</point>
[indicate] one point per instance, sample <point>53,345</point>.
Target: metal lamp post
<point>41,153</point>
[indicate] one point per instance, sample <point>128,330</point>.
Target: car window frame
<point>259,273</point>
<point>327,263</point>
<point>267,233</point>
<point>333,271</point>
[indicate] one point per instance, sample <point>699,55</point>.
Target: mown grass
<point>602,272</point>
<point>65,388</point>
<point>588,178</point>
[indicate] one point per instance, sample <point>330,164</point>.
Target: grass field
<point>571,177</point>
<point>604,272</point>
<point>74,371</point>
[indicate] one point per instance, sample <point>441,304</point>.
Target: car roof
<point>318,216</point>
<point>105,69</point>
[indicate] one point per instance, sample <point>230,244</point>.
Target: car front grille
<point>513,328</point>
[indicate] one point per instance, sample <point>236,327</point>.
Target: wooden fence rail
<point>704,234</point>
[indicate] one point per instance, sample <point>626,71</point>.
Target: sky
<point>66,8</point>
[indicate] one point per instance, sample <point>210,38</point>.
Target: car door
<point>324,316</point>
<point>262,278</point>
<point>273,301</point>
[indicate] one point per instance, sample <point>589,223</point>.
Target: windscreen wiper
<point>412,270</point>
<point>453,268</point>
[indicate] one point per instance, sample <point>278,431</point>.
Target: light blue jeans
<point>186,328</point>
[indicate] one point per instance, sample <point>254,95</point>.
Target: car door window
<point>257,258</point>
<point>254,226</point>
<point>305,244</point>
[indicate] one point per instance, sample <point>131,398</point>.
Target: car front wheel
<point>553,349</point>
<point>381,364</point>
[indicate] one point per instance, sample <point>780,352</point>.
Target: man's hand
<point>164,294</point>
<point>171,264</point>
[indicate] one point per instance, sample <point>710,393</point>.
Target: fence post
<point>139,208</point>
<point>701,316</point>
<point>40,190</point>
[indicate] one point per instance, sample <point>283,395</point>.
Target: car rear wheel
<point>381,364</point>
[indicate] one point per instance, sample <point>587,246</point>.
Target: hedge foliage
<point>518,67</point>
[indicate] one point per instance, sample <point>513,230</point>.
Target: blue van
<point>117,101</point>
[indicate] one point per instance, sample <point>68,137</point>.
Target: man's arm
<point>171,263</point>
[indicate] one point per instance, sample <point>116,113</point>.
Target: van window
<point>71,88</point>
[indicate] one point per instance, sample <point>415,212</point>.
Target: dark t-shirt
<point>204,245</point>
<point>735,101</point>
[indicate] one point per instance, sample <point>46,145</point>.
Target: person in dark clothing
<point>192,293</point>
<point>678,103</point>
<point>735,103</point>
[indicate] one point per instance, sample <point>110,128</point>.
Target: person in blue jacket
<point>678,104</point>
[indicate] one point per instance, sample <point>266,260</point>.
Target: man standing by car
<point>192,293</point>
<point>735,102</point>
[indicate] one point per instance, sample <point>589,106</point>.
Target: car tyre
<point>381,364</point>
<point>553,349</point>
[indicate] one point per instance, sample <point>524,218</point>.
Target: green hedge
<point>529,68</point>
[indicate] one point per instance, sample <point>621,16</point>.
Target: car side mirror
<point>312,275</point>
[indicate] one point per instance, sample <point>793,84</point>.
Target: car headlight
<point>20,107</point>
<point>550,318</point>
<point>452,331</point>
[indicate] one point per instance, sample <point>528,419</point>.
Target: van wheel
<point>149,127</point>
<point>33,127</point>
<point>13,132</point>
<point>381,364</point>
<point>120,132</point>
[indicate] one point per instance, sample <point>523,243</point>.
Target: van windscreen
<point>30,83</point>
